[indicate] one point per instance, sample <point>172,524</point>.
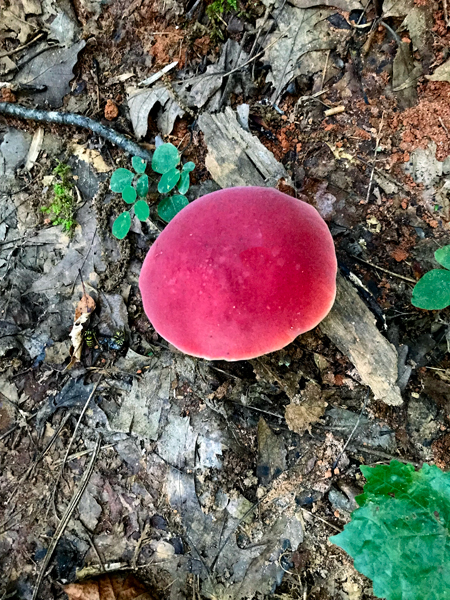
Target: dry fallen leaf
<point>305,410</point>
<point>85,305</point>
<point>92,157</point>
<point>77,337</point>
<point>116,586</point>
<point>442,73</point>
<point>83,311</point>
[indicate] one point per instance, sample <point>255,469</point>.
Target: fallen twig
<point>320,519</point>
<point>66,518</point>
<point>377,142</point>
<point>19,48</point>
<point>33,114</point>
<point>386,456</point>
<point>91,395</point>
<point>14,427</point>
<point>336,110</point>
<point>40,456</point>
<point>150,80</point>
<point>82,453</point>
<point>408,279</point>
<point>336,462</point>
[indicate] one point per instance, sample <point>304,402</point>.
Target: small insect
<point>117,340</point>
<point>90,338</point>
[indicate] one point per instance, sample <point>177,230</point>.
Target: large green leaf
<point>400,536</point>
<point>165,158</point>
<point>171,206</point>
<point>121,225</point>
<point>168,181</point>
<point>442,255</point>
<point>433,290</point>
<point>120,179</point>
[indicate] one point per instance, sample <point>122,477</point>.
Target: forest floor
<point>197,481</point>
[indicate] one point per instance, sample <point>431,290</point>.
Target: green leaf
<point>142,186</point>
<point>120,179</point>
<point>432,292</point>
<point>139,164</point>
<point>189,166</point>
<point>141,210</point>
<point>442,255</point>
<point>400,536</point>
<point>129,194</point>
<point>168,181</point>
<point>183,184</point>
<point>121,225</point>
<point>165,158</point>
<point>171,206</point>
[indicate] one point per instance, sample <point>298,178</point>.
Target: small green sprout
<point>215,12</point>
<point>134,188</point>
<point>432,291</point>
<point>61,210</point>
<point>218,7</point>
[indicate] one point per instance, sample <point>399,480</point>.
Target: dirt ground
<point>199,484</point>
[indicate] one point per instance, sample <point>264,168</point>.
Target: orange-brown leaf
<point>85,305</point>
<point>116,586</point>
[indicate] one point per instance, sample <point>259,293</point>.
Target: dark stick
<point>15,110</point>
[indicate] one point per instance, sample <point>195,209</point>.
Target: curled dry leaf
<point>85,305</point>
<point>117,586</point>
<point>77,337</point>
<point>83,311</point>
<point>305,411</point>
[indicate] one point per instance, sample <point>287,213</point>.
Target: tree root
<point>16,110</point>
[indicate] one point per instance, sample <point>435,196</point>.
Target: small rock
<point>7,95</point>
<point>235,25</point>
<point>340,502</point>
<point>158,522</point>
<point>90,510</point>
<point>111,110</point>
<point>163,549</point>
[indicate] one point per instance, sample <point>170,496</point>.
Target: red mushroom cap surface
<point>239,273</point>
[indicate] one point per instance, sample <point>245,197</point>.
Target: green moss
<point>61,209</point>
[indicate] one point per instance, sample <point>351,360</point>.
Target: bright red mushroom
<point>239,273</point>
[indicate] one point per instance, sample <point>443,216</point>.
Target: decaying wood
<point>351,327</point>
<point>236,157</point>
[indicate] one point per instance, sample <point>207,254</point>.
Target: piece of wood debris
<point>236,157</point>
<point>158,75</point>
<point>351,327</point>
<point>337,110</point>
<point>35,148</point>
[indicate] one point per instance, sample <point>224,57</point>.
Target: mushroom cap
<point>239,273</point>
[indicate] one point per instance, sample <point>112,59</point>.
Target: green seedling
<point>174,183</point>
<point>61,210</point>
<point>432,291</point>
<point>218,7</point>
<point>215,12</point>
<point>399,536</point>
